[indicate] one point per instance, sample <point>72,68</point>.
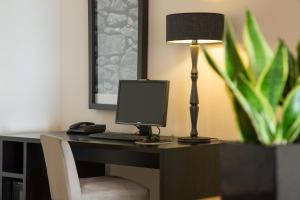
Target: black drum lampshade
<point>190,27</point>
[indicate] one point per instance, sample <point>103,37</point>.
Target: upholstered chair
<point>66,185</point>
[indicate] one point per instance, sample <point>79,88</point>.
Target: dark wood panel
<point>90,169</point>
<point>36,174</point>
<point>12,157</point>
<point>190,174</point>
<point>119,157</point>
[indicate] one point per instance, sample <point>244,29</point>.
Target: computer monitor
<point>143,103</point>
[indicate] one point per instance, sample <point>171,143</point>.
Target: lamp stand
<point>194,101</point>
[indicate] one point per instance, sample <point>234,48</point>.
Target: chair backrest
<point>61,169</point>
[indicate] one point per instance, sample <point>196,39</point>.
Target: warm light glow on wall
<point>216,114</point>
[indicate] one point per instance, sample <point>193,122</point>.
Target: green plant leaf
<point>234,63</point>
<point>258,49</point>
<point>298,81</point>
<point>289,127</point>
<point>272,80</point>
<point>247,131</point>
<point>263,118</point>
<point>298,56</point>
<point>292,75</point>
<point>253,102</point>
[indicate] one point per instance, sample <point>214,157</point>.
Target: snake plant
<point>264,89</point>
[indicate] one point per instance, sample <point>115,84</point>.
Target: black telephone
<point>86,128</point>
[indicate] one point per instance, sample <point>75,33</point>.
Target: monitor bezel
<point>164,118</point>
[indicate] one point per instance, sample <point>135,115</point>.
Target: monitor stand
<point>150,139</point>
<point>144,130</point>
<point>147,131</point>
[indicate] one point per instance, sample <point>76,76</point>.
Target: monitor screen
<point>142,102</point>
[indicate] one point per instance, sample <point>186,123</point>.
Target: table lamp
<point>194,29</point>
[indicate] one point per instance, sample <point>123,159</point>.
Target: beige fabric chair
<point>65,184</point>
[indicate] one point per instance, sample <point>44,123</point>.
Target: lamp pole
<point>194,29</point>
<point>194,100</point>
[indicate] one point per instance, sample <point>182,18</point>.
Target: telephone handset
<point>81,124</point>
<point>86,128</point>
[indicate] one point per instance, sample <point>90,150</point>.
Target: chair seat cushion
<point>112,188</point>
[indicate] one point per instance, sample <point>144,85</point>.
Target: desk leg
<point>190,173</point>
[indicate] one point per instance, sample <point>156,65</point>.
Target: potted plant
<point>266,99</point>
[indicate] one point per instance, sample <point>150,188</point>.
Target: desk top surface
<point>34,137</point>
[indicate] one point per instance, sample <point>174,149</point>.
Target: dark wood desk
<point>186,171</point>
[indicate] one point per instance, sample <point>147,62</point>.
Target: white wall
<point>169,61</point>
<point>29,65</point>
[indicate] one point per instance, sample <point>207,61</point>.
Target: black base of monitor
<point>195,140</point>
<point>145,130</point>
<point>151,139</point>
